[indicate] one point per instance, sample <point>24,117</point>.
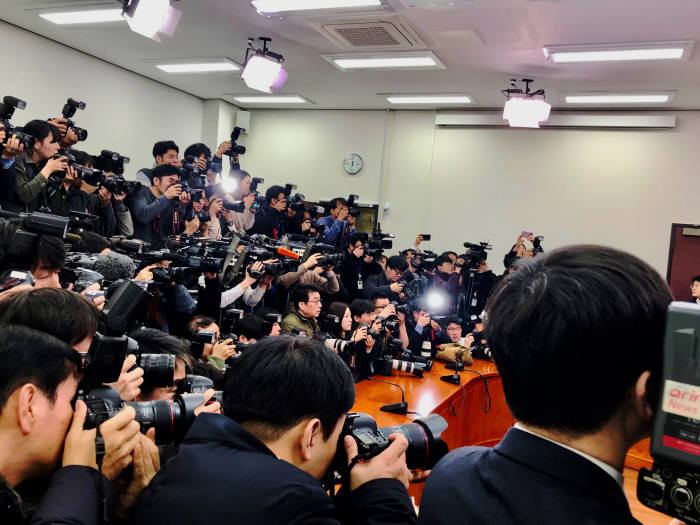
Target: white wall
<point>620,188</point>
<point>125,112</point>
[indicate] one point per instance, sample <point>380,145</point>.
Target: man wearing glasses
<point>306,307</point>
<point>387,282</point>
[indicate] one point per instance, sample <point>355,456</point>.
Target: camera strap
<point>354,461</point>
<point>100,456</point>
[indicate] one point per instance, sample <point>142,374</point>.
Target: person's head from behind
<point>166,152</point>
<point>156,342</point>
<point>453,328</point>
<point>362,311</point>
<point>695,287</point>
<point>306,299</point>
<point>300,425</point>
<point>545,319</point>
<point>270,318</point>
<point>38,379</point>
<point>342,312</point>
<point>68,316</point>
<point>395,267</point>
<point>47,139</point>
<point>164,176</point>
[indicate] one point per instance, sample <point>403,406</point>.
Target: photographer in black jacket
<point>284,404</point>
<point>387,282</point>
<point>272,217</point>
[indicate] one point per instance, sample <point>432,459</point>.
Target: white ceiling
<point>482,43</point>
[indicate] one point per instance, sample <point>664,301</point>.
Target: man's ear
<point>310,437</point>
<point>641,395</point>
<point>28,397</point>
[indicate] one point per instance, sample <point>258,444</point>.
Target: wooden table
<point>473,417</point>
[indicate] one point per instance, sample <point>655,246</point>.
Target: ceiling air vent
<point>387,32</point>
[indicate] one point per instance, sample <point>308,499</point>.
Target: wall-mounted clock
<point>352,164</point>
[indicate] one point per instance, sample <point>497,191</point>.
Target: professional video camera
<point>296,202</point>
<point>672,486</point>
<point>7,109</point>
<point>424,435</point>
<point>475,254</point>
<point>235,148</point>
<point>68,111</point>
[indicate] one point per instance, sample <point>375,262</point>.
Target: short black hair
<point>90,242</point>
<point>450,319</point>
<point>361,306</point>
<point>83,158</point>
<point>163,171</point>
<point>378,295</point>
<point>354,237</point>
<point>249,326</point>
<point>397,263</point>
<point>40,129</point>
<point>301,293</point>
<point>162,147</point>
<point>444,258</point>
<point>50,253</point>
<point>198,322</point>
<point>196,149</point>
<point>696,278</point>
<point>273,192</point>
<point>153,341</point>
<point>31,356</point>
<point>284,381</point>
<point>545,320</point>
<point>68,316</point>
<point>338,201</point>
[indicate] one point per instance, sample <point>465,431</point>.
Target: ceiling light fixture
<point>279,99</point>
<point>222,66</point>
<point>429,99</point>
<point>412,60</point>
<point>263,70</point>
<point>525,108</point>
<point>277,6</point>
<point>151,17</point>
<point>618,52</point>
<point>93,16</point>
<point>618,98</point>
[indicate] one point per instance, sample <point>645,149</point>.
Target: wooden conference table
<point>473,416</point>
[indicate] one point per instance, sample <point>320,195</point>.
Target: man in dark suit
<point>577,336</point>
<point>284,403</point>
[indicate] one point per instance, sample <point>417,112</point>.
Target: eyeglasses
<point>314,301</point>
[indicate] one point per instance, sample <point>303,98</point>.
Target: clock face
<point>352,164</point>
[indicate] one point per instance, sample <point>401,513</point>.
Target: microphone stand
<point>394,408</point>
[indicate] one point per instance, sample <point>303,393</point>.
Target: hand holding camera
<point>396,287</point>
<point>79,447</point>
<point>223,148</point>
<point>191,227</point>
<point>54,164</point>
<point>121,434</point>
<point>13,147</point>
<point>173,192</point>
<point>391,463</point>
<point>130,379</point>
<point>224,349</point>
<point>206,406</point>
<point>310,262</point>
<point>360,334</point>
<point>423,320</point>
<point>146,464</point>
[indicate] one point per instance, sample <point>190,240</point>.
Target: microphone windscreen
<point>115,266</point>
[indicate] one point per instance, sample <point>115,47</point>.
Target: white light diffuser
<point>149,17</point>
<point>429,99</point>
<point>618,52</point>
<point>618,98</point>
<point>279,99</point>
<point>264,74</point>
<point>203,67</point>
<point>383,63</point>
<point>526,112</point>
<point>277,6</point>
<point>93,16</point>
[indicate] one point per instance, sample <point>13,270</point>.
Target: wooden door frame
<point>672,246</point>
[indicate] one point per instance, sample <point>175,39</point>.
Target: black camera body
<point>68,111</point>
<point>111,161</point>
<point>7,109</point>
<point>425,444</point>
<point>235,148</point>
<point>672,486</point>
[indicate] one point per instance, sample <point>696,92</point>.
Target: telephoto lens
<point>171,419</point>
<point>158,369</point>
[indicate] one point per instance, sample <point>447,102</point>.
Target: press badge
<point>359,284</point>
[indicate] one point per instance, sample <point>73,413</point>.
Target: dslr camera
<point>7,109</point>
<point>68,111</point>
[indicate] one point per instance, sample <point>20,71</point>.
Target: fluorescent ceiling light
<point>201,67</point>
<point>281,99</point>
<point>618,53</point>
<point>429,99</point>
<point>276,6</point>
<point>93,16</point>
<point>618,98</point>
<point>526,112</point>
<point>421,60</point>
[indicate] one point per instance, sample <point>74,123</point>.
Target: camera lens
<point>425,443</point>
<point>158,369</point>
<point>171,419</point>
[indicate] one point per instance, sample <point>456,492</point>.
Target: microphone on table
<point>394,408</point>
